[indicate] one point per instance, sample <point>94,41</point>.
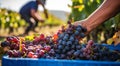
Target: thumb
<point>77,23</point>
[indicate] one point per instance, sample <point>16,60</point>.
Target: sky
<point>50,4</point>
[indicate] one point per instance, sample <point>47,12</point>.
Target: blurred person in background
<point>29,12</point>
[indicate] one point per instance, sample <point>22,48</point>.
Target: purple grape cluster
<point>12,42</point>
<point>63,45</point>
<point>68,46</point>
<point>31,49</point>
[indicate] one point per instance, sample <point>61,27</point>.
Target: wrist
<point>89,25</point>
<point>86,24</point>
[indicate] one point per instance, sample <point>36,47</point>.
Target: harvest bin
<point>6,61</point>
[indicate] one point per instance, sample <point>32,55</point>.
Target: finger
<point>76,23</point>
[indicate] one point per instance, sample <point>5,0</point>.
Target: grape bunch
<point>68,46</point>
<point>31,49</point>
<point>12,42</point>
<point>63,45</point>
<point>99,52</point>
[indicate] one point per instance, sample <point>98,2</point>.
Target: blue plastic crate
<point>53,62</point>
<point>112,46</point>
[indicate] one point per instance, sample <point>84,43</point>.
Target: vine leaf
<point>110,41</point>
<point>116,38</point>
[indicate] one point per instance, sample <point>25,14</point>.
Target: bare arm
<point>45,11</point>
<point>108,9</point>
<point>36,15</point>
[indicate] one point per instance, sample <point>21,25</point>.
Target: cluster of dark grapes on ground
<point>63,45</point>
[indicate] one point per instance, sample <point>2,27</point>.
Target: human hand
<point>84,24</point>
<point>42,20</point>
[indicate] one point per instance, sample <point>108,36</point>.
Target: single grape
<point>5,43</point>
<point>76,53</point>
<point>72,38</point>
<point>65,38</point>
<point>76,33</point>
<point>82,35</point>
<point>78,29</point>
<point>64,43</point>
<point>67,48</point>
<point>69,43</point>
<point>60,47</point>
<point>62,56</point>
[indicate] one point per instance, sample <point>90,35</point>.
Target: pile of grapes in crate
<point>63,45</point>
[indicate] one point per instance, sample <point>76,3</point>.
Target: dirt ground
<point>47,30</point>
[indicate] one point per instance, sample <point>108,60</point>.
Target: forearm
<point>37,16</point>
<point>45,11</point>
<point>108,9</point>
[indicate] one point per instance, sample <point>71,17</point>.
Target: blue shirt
<point>25,10</point>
